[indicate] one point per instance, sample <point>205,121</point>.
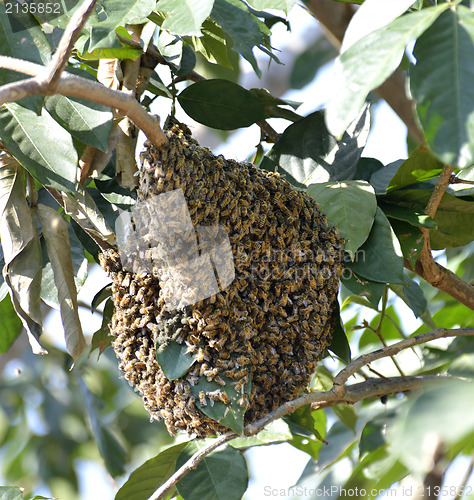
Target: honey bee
<point>202,398</point>
<point>125,301</point>
<point>210,373</point>
<point>242,360</point>
<point>219,380</point>
<point>240,385</point>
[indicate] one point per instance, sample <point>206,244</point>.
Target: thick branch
<point>339,393</point>
<point>335,17</point>
<point>76,86</point>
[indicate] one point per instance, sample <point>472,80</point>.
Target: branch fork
<point>52,79</point>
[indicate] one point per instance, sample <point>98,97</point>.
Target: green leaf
<point>372,15</point>
<point>414,217</point>
<point>412,295</point>
<point>87,121</point>
<point>422,165</point>
<point>275,432</point>
<point>121,52</point>
<point>115,13</point>
<point>339,343</point>
<point>221,104</point>
<point>22,253</point>
<point>10,324</point>
<point>381,178</point>
<point>310,439</point>
<point>10,493</point>
<point>443,412</point>
<point>56,236</point>
<point>29,44</point>
<point>170,47</point>
<point>79,259</point>
<point>41,145</point>
<point>369,62</point>
<point>441,86</point>
<point>157,87</point>
<point>112,191</point>
<point>453,217</point>
<point>144,480</point>
<point>373,435</point>
<point>353,286</point>
<point>85,212</point>
<point>366,167</point>
<point>454,220</point>
<point>235,19</point>
<point>212,45</point>
<point>231,415</point>
<point>306,153</point>
<point>221,474</point>
<point>284,5</point>
<point>346,414</point>
<point>350,206</point>
<point>301,421</point>
<point>110,449</point>
<point>410,238</point>
<point>104,293</point>
<point>101,338</point>
<point>174,360</point>
<point>184,17</point>
<point>309,62</point>
<point>378,258</point>
<point>463,366</point>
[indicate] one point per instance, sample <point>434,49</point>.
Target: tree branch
<point>52,74</point>
<point>192,463</point>
<point>77,86</point>
<point>339,393</point>
<point>335,17</point>
<point>352,368</point>
<point>426,267</point>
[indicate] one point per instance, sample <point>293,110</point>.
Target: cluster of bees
<point>269,326</point>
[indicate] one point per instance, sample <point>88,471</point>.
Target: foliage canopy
<point>69,120</point>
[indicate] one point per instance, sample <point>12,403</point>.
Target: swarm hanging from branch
<point>254,344</point>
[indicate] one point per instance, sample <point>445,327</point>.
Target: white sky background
<point>276,466</point>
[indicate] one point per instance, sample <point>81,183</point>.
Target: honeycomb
<point>267,328</point>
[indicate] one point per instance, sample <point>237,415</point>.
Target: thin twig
<point>339,393</point>
<point>456,180</point>
<point>192,463</point>
<point>52,74</point>
<point>341,378</point>
<point>378,330</point>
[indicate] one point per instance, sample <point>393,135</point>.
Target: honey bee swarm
<point>269,326</point>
